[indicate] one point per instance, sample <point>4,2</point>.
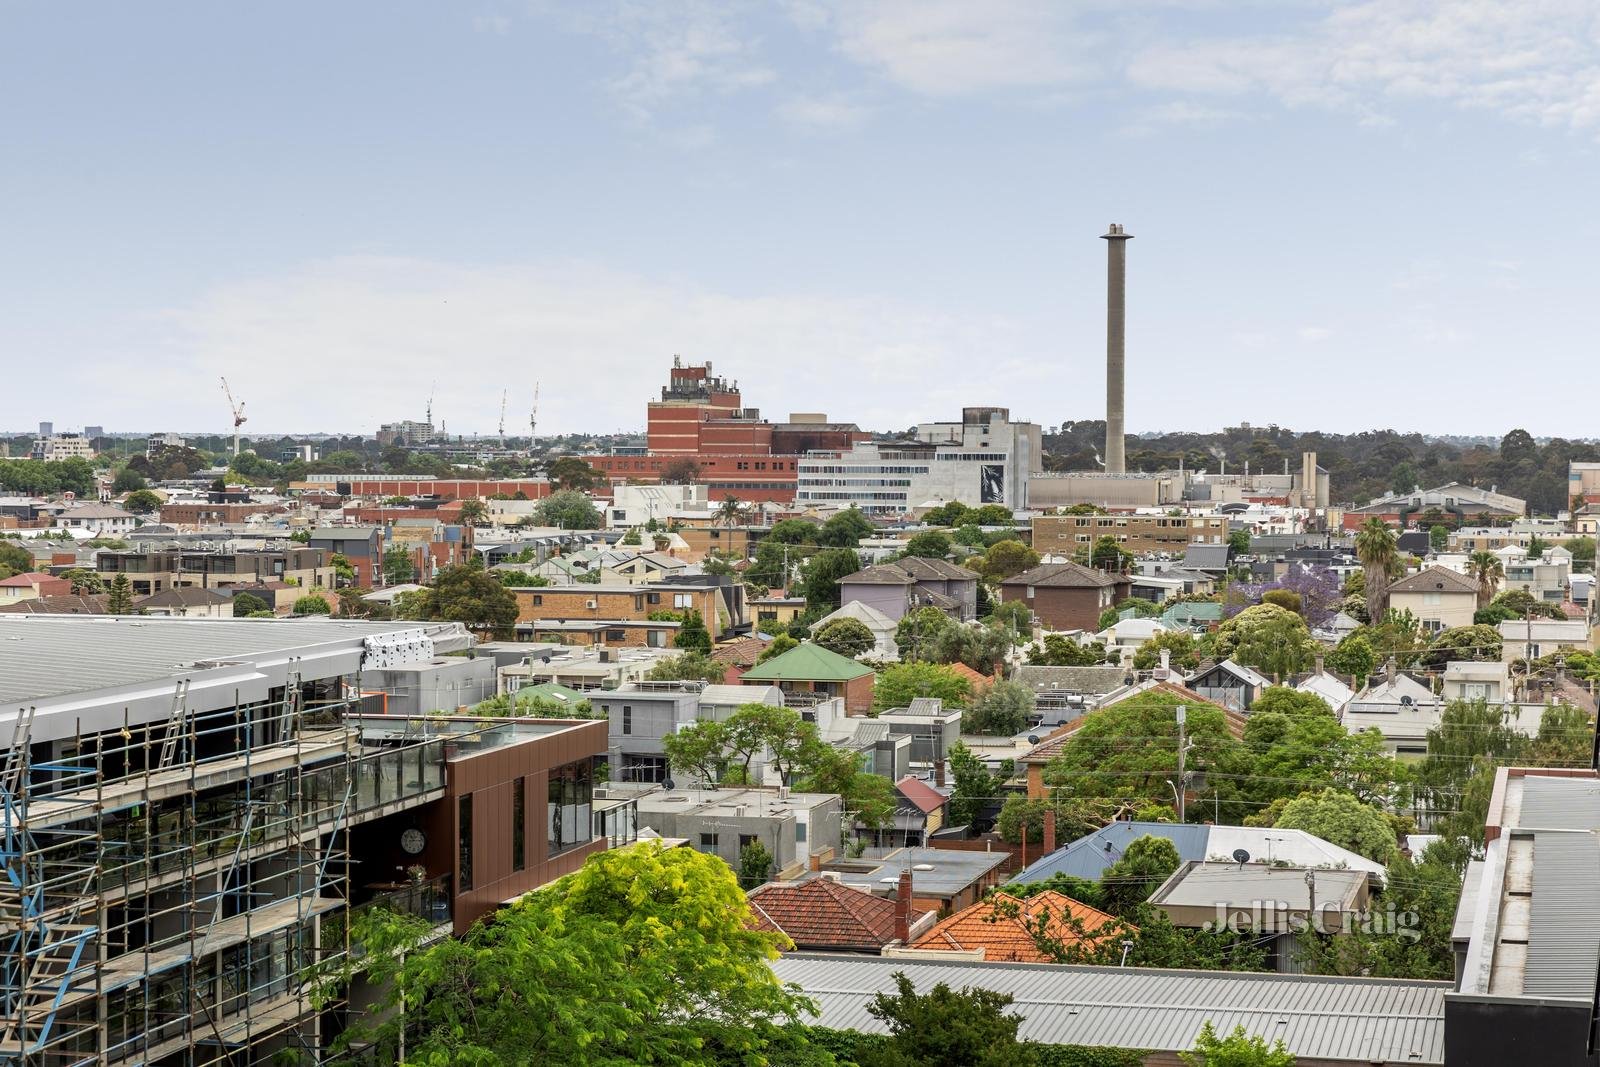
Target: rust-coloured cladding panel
<point>488,776</point>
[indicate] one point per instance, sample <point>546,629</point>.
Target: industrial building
<point>191,808</point>
<point>700,422</point>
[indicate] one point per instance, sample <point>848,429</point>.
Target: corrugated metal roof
<point>1563,926</point>
<point>1362,1020</point>
<point>1559,803</point>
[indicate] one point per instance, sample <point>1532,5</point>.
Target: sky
<point>1346,216</point>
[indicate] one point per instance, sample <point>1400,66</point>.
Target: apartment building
<point>983,459</point>
<point>154,568</point>
<point>1062,535</point>
<point>720,605</point>
<point>54,446</point>
<point>189,822</point>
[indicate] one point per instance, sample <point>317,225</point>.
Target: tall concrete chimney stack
<point>1116,329</point>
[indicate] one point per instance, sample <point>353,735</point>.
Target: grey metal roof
<point>1359,1020</point>
<point>952,871</point>
<point>85,667</point>
<point>1563,925</point>
<point>1088,856</point>
<point>1206,885</point>
<point>1559,803</point>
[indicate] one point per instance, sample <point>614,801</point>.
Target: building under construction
<point>191,808</point>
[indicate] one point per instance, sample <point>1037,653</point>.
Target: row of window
<point>860,468</point>
<point>890,483</point>
<point>812,494</point>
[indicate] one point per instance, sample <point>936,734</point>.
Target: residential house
<point>644,714</point>
<point>1066,596</point>
<point>620,603</point>
<point>1272,901</point>
<point>1207,559</point>
<point>1399,707</point>
<point>1197,616</point>
<point>933,728</point>
<point>1533,638</point>
<point>584,669</point>
<point>792,826</point>
<point>57,605</point>
<point>361,545</point>
<point>1330,688</point>
<point>623,633</point>
<point>1440,599</point>
<point>1090,855</point>
<point>883,628</point>
<point>1547,578</point>
<point>98,520</point>
<point>826,915</point>
<point>1037,758</point>
<point>1125,636</point>
<point>739,655</point>
<point>1462,501</point>
<point>30,585</point>
<point>1061,694</point>
<point>1230,684</point>
<point>942,880</point>
<point>899,588</point>
<point>187,602</point>
<point>920,812</point>
<point>773,613</point>
<point>819,672</point>
<point>1005,929</point>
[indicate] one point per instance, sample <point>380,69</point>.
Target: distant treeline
<point>1360,466</point>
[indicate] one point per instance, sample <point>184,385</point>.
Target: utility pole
<point>1311,887</point>
<point>1183,752</point>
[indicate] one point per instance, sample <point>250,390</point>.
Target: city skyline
<point>884,212</point>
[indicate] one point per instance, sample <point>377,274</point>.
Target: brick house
<point>810,668</point>
<point>899,588</point>
<point>619,603</point>
<point>1066,596</point>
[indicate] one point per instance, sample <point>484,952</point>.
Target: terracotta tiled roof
<point>1008,937</point>
<point>927,799</point>
<point>977,678</point>
<point>740,653</point>
<point>820,913</point>
<point>27,579</point>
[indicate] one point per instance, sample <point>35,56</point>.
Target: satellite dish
<point>1241,857</point>
<point>1033,739</point>
<point>1406,701</point>
<point>670,784</point>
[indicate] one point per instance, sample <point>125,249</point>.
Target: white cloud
<point>353,342</point>
<point>823,112</point>
<point>676,51</point>
<point>1533,60</point>
<point>1313,334</point>
<point>951,47</point>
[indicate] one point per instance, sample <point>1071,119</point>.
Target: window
<point>464,833</point>
<point>655,639</point>
<point>627,718</point>
<point>519,824</point>
<point>538,601</point>
<point>1030,592</point>
<point>616,635</point>
<point>683,600</point>
<point>569,814</point>
<point>800,831</point>
<point>1430,600</point>
<point>1477,691</point>
<point>652,598</point>
<point>708,840</point>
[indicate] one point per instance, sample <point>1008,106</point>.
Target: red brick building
<point>702,419</point>
<point>444,488</point>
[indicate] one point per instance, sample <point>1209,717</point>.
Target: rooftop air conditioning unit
<point>591,604</point>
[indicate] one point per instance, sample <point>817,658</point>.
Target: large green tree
<point>569,510</point>
<point>1272,639</point>
<point>1343,820</point>
<point>468,594</point>
<point>822,574</point>
<point>645,955</point>
<point>848,637</point>
<point>947,1028</point>
<point>896,686</point>
<point>999,709</point>
<point>1377,549</point>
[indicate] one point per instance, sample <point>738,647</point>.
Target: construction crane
<point>431,390</point>
<point>533,417</point>
<point>237,407</point>
<point>502,418</point>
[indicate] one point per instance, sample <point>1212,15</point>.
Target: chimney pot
<point>1049,831</point>
<point>902,909</point>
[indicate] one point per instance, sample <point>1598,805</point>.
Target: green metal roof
<point>553,691</point>
<point>808,662</point>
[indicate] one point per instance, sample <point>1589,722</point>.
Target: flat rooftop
<point>87,671</point>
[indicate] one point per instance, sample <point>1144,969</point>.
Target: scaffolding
<point>166,886</point>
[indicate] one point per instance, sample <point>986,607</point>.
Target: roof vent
<point>922,867</point>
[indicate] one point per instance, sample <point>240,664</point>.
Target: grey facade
<point>644,714</point>
<point>721,822</point>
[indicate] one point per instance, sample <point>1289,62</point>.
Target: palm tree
<point>1487,569</point>
<point>1376,548</point>
<point>730,511</point>
<point>473,512</point>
